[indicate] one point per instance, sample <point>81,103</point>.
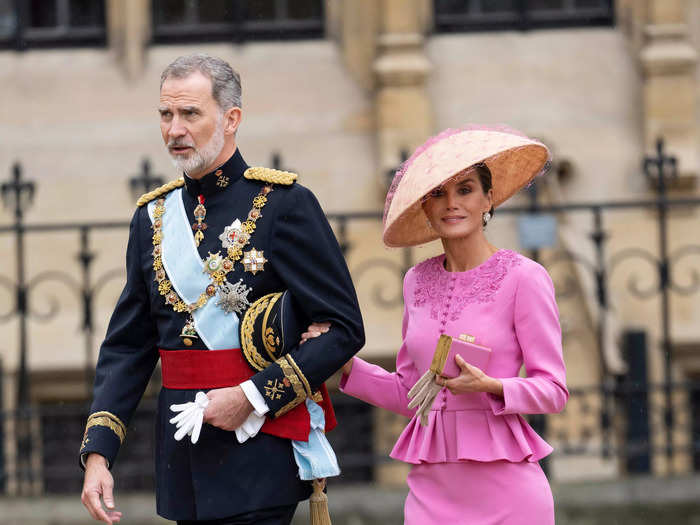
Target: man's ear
<point>232,119</point>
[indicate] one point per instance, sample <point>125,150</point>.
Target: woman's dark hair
<point>485,178</point>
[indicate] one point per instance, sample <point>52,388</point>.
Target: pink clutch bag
<point>447,348</point>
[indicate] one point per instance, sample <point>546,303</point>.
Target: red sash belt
<point>206,369</point>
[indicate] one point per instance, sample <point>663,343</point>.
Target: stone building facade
<point>339,90</point>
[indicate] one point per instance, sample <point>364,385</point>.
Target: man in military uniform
<point>203,250</point>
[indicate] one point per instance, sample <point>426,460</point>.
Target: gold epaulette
<point>165,188</point>
<point>269,175</point>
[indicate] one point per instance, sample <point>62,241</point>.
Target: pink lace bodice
<point>436,287</point>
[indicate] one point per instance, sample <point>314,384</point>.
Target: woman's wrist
<point>347,367</point>
<point>495,387</point>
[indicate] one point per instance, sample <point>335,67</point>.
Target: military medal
<point>188,332</point>
<point>233,235</point>
<point>232,297</point>
<point>254,261</point>
<point>200,212</point>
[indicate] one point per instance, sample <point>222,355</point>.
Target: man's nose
<point>177,128</point>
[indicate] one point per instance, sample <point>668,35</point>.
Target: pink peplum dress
<point>477,460</point>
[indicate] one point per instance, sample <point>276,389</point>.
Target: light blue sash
<point>184,266</point>
<point>219,330</point>
<point>315,458</point>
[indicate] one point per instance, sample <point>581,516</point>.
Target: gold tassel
<point>318,504</point>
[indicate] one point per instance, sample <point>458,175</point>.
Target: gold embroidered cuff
<point>300,375</point>
<point>293,379</point>
<point>109,420</point>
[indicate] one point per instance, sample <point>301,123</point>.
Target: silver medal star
<point>232,234</point>
<point>233,297</point>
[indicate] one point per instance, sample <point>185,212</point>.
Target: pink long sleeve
<point>376,386</point>
<point>536,319</point>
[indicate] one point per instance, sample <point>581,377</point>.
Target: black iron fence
<point>626,418</point>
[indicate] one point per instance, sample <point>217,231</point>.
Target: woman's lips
<point>453,219</point>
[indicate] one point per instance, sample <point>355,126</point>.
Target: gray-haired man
<point>207,257</point>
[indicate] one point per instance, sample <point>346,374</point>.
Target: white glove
<point>190,418</point>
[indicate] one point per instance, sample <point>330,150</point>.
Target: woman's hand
<point>314,330</point>
<point>470,379</point>
<point>347,368</point>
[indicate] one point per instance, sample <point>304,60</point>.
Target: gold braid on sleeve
<point>289,374</point>
<point>300,375</point>
<point>109,420</point>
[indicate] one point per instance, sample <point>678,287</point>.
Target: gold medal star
<point>254,261</point>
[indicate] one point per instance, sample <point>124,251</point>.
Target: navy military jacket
<point>218,477</point>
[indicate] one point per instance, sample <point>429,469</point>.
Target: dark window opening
<point>491,15</point>
<point>52,23</point>
<point>236,20</point>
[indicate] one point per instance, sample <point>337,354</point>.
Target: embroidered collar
<point>219,179</point>
<point>447,293</point>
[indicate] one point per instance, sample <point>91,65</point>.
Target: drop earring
<point>486,217</point>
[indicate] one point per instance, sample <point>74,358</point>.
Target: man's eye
<point>166,114</point>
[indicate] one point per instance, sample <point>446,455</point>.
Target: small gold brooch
<point>221,179</point>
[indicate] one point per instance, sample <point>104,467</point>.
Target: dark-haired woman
<point>476,460</point>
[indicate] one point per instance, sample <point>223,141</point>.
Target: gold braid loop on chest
<point>158,192</point>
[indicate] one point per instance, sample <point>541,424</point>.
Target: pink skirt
<point>478,493</point>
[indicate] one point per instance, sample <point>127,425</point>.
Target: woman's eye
<point>437,193</point>
<point>464,191</point>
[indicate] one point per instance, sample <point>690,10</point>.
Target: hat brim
<point>514,160</point>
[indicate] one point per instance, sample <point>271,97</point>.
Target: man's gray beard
<point>200,159</point>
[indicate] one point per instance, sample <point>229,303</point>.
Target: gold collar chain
<point>216,266</point>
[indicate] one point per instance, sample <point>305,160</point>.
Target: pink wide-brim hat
<point>513,158</point>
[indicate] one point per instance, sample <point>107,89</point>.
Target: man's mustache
<point>180,144</point>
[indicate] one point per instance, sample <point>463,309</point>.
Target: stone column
<point>669,63</point>
<point>128,25</point>
<point>403,119</point>
<point>404,116</point>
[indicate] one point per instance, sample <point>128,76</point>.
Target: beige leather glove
<point>422,395</point>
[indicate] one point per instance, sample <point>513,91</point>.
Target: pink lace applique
<point>447,293</point>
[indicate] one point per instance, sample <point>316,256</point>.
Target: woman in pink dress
<point>476,460</point>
